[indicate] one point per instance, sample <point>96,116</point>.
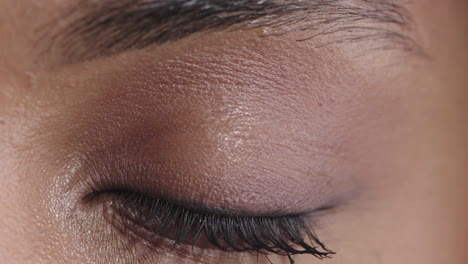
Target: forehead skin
<point>416,213</point>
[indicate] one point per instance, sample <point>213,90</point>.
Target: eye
<point>227,142</point>
<point>157,222</point>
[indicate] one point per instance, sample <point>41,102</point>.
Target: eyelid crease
<point>281,235</point>
<point>207,210</point>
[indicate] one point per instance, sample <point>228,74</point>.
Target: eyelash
<point>281,235</point>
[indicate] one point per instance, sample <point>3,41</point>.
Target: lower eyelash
<point>281,235</point>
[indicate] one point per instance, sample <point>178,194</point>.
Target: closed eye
<point>152,218</point>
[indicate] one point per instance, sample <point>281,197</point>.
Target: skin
<point>379,136</point>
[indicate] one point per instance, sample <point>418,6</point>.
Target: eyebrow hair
<point>102,28</point>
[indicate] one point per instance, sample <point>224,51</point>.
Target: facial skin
<point>247,121</point>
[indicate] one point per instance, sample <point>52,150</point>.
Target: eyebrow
<point>93,29</point>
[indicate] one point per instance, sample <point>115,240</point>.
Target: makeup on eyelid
<point>223,125</point>
<point>215,128</point>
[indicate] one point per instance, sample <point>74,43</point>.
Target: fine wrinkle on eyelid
<point>150,76</point>
<point>247,67</point>
<point>138,166</point>
<point>120,174</point>
<point>147,81</point>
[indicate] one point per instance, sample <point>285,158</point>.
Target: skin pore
<point>360,129</point>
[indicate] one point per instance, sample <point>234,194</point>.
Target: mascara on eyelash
<point>281,235</point>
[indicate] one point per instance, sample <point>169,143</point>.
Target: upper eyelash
<point>281,235</point>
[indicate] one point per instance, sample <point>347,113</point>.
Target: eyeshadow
<point>198,180</point>
<point>215,127</point>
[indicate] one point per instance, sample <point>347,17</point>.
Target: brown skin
<point>382,137</point>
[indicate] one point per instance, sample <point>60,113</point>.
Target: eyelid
<point>282,235</point>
